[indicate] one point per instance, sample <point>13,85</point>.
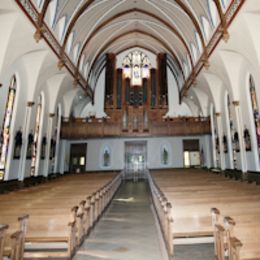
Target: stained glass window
<point>136,66</point>
<point>255,111</point>
<point>5,135</point>
<point>35,139</point>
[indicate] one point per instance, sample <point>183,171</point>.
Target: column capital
<point>236,103</point>
<point>30,103</point>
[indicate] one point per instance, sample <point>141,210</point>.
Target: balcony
<point>180,126</point>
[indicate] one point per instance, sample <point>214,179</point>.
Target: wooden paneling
<point>175,127</point>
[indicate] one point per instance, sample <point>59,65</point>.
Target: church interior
<point>130,129</point>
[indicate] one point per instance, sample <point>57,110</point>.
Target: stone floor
<point>194,252</point>
<point>129,231</point>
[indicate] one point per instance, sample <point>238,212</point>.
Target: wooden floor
<point>205,204</point>
<point>60,211</point>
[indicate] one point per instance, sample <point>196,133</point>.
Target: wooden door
<point>78,156</point>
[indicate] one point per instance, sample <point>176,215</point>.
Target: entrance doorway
<point>78,153</point>
<point>191,153</point>
<point>135,160</point>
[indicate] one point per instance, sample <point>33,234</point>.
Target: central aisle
<point>127,230</point>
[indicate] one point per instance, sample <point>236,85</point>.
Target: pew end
<point>3,229</point>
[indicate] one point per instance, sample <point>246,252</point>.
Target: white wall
<point>117,147</point>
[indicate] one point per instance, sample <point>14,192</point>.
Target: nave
<point>173,214</point>
<point>127,230</point>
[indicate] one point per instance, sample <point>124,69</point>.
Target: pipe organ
<point>136,94</point>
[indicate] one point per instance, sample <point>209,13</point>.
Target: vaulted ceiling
<point>87,29</point>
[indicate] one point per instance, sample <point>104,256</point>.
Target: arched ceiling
<point>87,29</point>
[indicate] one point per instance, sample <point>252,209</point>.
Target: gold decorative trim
<point>206,63</point>
<point>30,103</point>
<point>236,103</point>
<point>61,64</point>
<point>38,34</point>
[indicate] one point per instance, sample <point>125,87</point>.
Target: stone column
<point>213,140</point>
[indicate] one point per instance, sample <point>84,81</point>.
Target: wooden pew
<point>3,229</point>
<point>227,232</point>
<point>49,207</point>
<point>193,193</point>
<point>14,237</point>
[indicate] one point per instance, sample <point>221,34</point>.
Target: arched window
<point>255,110</point>
<point>69,42</point>
<point>39,3</point>
<point>206,28</point>
<point>51,14</point>
<point>61,27</point>
<point>185,69</point>
<point>213,13</point>
<point>224,4</point>
<point>36,137</point>
<point>199,43</point>
<point>194,52</point>
<point>6,129</point>
<point>76,52</point>
<point>136,66</point>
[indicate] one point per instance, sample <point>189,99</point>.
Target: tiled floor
<point>127,231</point>
<point>194,252</point>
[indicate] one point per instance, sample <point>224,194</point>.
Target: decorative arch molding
<point>87,4</point>
<point>136,32</point>
<point>34,15</point>
<point>127,12</point>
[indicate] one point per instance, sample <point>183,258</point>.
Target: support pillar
<point>213,140</point>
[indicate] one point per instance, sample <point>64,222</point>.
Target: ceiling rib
<point>37,18</point>
<point>138,32</point>
<point>127,12</point>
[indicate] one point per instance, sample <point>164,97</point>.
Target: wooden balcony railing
<point>78,129</point>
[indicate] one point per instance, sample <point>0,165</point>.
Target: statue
<point>18,144</point>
